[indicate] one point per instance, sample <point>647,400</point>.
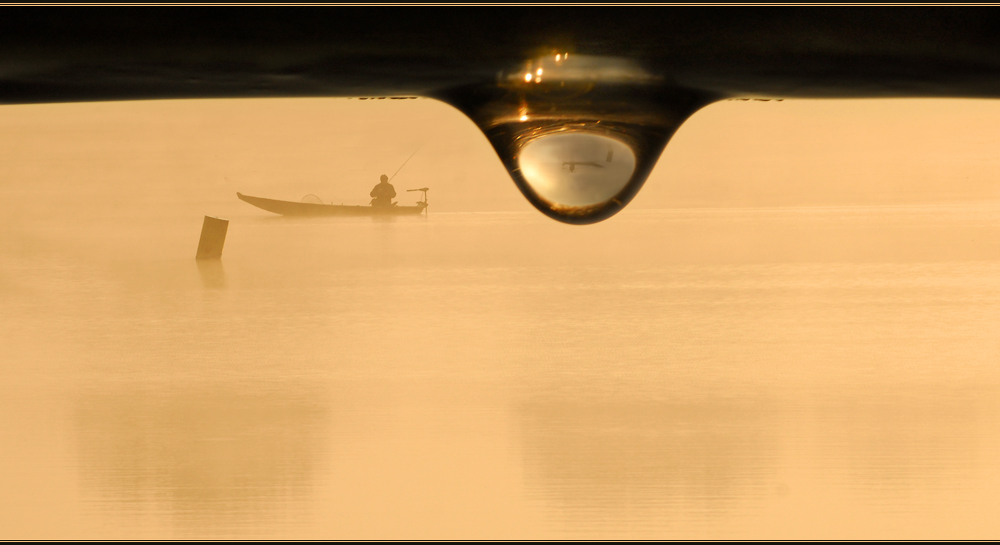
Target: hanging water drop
<point>579,135</point>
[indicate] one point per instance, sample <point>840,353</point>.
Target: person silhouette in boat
<point>383,193</point>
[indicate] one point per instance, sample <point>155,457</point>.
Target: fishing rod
<point>406,161</point>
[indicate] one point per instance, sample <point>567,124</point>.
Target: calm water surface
<point>773,373</point>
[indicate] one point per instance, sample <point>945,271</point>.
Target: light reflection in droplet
<point>576,168</point>
<point>587,68</point>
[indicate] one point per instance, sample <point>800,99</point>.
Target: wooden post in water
<point>213,237</point>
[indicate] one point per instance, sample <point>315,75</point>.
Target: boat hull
<point>306,209</point>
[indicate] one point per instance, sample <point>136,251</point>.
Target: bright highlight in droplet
<point>524,118</point>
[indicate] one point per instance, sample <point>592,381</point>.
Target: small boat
<point>291,208</point>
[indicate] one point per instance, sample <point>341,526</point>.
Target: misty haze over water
<point>780,338</point>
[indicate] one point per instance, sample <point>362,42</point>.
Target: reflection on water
<point>213,274</point>
<point>776,468</point>
<point>905,446</point>
<point>601,462</point>
<point>237,458</point>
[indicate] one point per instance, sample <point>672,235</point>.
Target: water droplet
<point>580,141</point>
